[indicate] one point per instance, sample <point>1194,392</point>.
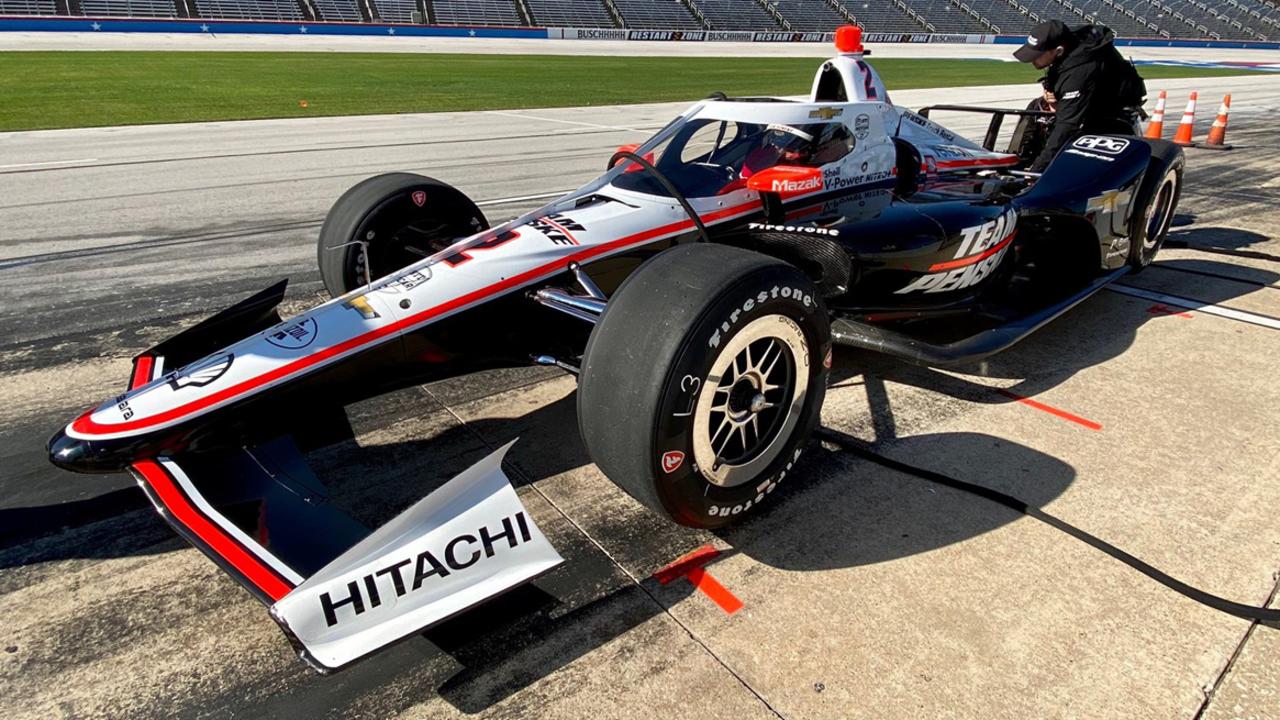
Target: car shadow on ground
<point>1221,241</point>
<point>1082,338</point>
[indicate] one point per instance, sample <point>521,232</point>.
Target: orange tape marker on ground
<point>1051,410</point>
<point>1159,309</point>
<point>690,566</point>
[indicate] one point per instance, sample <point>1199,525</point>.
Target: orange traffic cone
<point>1188,124</point>
<point>1218,133</point>
<point>1155,128</point>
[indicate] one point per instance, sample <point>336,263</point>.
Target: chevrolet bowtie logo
<point>826,113</point>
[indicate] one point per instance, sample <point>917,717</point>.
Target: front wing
<point>338,590</point>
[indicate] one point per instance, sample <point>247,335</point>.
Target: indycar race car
<point>695,289</point>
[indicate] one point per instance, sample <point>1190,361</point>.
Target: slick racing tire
<point>387,222</point>
<point>1152,216</point>
<point>703,380</point>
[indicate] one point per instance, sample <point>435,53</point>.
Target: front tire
<point>387,222</point>
<point>703,380</point>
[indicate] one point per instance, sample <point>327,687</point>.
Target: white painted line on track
<point>1198,306</point>
<point>48,162</point>
<point>503,201</point>
<point>558,120</point>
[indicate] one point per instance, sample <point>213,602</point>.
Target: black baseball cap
<point>1046,35</point>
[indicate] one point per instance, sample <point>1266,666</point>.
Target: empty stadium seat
<point>242,9</point>
<point>879,16</point>
<point>945,17</point>
<point>736,15</point>
<point>476,12</point>
<point>28,7</point>
<point>810,15</point>
<point>570,13</point>
<point>129,8</point>
<point>1005,16</point>
<point>337,10</point>
<point>396,11</point>
<point>657,15</point>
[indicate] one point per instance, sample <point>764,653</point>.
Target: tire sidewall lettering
<point>674,424</point>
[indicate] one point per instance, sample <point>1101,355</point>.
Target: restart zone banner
<point>771,36</point>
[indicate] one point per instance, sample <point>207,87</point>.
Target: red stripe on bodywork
<point>168,494</point>
<point>562,229</point>
<point>973,258</point>
<point>142,366</point>
<point>85,425</point>
<point>977,162</point>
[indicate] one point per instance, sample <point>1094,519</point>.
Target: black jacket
<point>1095,87</point>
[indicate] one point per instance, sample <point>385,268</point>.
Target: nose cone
<point>83,456</point>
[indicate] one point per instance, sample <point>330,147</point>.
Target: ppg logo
<point>1105,145</point>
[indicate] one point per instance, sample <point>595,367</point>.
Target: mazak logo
<point>1104,145</point>
<point>796,186</point>
<point>202,373</point>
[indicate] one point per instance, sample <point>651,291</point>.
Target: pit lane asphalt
<point>865,593</point>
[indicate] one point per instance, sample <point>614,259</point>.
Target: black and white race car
<point>695,289</point>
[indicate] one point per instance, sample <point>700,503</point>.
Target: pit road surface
<point>865,593</point>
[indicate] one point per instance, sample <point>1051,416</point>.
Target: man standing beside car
<point>1093,89</point>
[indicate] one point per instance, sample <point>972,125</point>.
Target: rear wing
<point>338,590</point>
<point>997,118</point>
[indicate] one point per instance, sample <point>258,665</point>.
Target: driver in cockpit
<point>809,145</point>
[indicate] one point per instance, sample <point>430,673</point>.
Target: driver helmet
<point>794,146</point>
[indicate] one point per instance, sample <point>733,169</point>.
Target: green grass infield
<point>40,90</point>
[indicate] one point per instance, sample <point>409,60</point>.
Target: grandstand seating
<point>736,15</point>
<point>1227,19</point>
<point>28,7</point>
<point>129,8</point>
<point>570,13</point>
<point>1002,14</point>
<point>1114,18</point>
<point>241,9</point>
<point>396,11</point>
<point>810,15</point>
<point>946,17</point>
<point>336,10</point>
<point>476,12</point>
<point>657,14</point>
<point>881,16</point>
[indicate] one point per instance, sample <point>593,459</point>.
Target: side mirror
<point>786,180</point>
<point>630,148</point>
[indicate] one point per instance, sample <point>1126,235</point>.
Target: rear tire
<point>390,213</point>
<point>1153,215</point>
<point>703,380</point>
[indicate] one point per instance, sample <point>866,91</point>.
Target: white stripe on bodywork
<point>231,528</point>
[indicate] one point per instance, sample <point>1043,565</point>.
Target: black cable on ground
<point>859,448</point>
